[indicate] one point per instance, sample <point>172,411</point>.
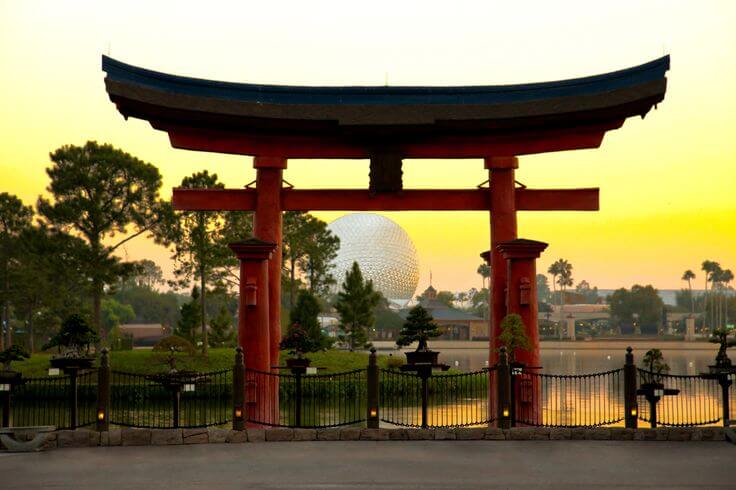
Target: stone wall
<point>164,437</point>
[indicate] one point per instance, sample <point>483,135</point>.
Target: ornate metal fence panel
<point>697,403</point>
<point>42,401</point>
<point>305,400</point>
<point>556,400</point>
<point>454,400</point>
<point>87,398</point>
<point>48,401</point>
<point>162,401</point>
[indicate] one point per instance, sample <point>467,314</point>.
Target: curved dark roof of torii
<point>406,119</point>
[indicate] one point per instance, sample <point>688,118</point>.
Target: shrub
<point>513,335</point>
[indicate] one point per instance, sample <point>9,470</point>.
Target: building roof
<point>413,121</point>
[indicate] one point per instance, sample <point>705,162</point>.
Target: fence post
<point>504,404</point>
<point>630,404</point>
<point>103,392</point>
<point>725,383</point>
<point>239,390</point>
<point>372,395</point>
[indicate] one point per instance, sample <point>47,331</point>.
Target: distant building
<point>145,334</point>
<point>455,324</point>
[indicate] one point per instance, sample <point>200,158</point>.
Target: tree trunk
<point>31,343</point>
<point>705,301</point>
<point>203,304</point>
<point>5,321</point>
<point>292,283</point>
<point>97,312</point>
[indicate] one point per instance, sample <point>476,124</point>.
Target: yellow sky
<point>668,184</point>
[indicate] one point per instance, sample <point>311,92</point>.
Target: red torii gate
<point>276,123</point>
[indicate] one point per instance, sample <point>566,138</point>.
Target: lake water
<point>581,357</point>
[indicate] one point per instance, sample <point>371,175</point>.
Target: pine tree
<point>419,327</point>
<point>221,332</point>
<point>190,319</point>
<point>355,304</point>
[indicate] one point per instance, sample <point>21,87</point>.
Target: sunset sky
<point>668,183</point>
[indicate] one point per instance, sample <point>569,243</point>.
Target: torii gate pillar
<point>501,175</point>
<point>267,227</point>
<point>521,287</point>
<point>253,320</point>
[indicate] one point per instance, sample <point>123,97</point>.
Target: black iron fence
<point>450,400</point>
<point>171,400</point>
<point>305,400</point>
<point>52,400</point>
<point>503,394</point>
<point>554,400</point>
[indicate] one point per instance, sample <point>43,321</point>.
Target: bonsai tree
<point>419,327</point>
<point>721,336</point>
<point>171,345</point>
<point>12,354</point>
<point>654,363</point>
<point>74,338</point>
<point>297,342</point>
<point>513,335</point>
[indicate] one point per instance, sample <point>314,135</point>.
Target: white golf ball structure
<point>382,249</point>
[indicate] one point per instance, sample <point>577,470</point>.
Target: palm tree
<point>485,272</point>
<point>689,276</point>
<point>561,272</point>
<point>708,266</point>
<point>554,270</point>
<point>726,277</point>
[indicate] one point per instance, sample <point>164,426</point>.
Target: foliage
<point>14,218</point>
<point>305,314</point>
<point>544,295</point>
<point>640,300</point>
<point>654,362</point>
<point>99,192</point>
<point>74,336</point>
<point>120,340</point>
<point>513,335</point>
<point>355,304</point>
<point>222,333</point>
<point>149,305</point>
<point>14,353</point>
<point>587,294</point>
<point>721,336</point>
<point>385,317</point>
<point>200,240</point>
<point>115,314</point>
<point>190,318</point>
<point>147,274</point>
<point>49,283</point>
<point>176,344</point>
<point>419,327</point>
<point>308,248</point>
<point>297,342</point>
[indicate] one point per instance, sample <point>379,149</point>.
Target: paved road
<point>386,465</point>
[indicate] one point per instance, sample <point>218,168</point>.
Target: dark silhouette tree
<point>14,218</point>
<point>355,304</point>
<point>688,276</point>
<point>222,333</point>
<point>99,193</point>
<point>419,327</point>
<point>190,318</point>
<point>305,313</point>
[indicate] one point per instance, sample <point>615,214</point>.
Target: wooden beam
<point>408,200</point>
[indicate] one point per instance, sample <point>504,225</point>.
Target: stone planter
<point>422,357</point>
<point>72,363</point>
<point>298,363</point>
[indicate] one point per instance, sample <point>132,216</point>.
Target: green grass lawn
<point>145,361</point>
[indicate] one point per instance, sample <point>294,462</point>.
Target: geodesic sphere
<point>382,249</point>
